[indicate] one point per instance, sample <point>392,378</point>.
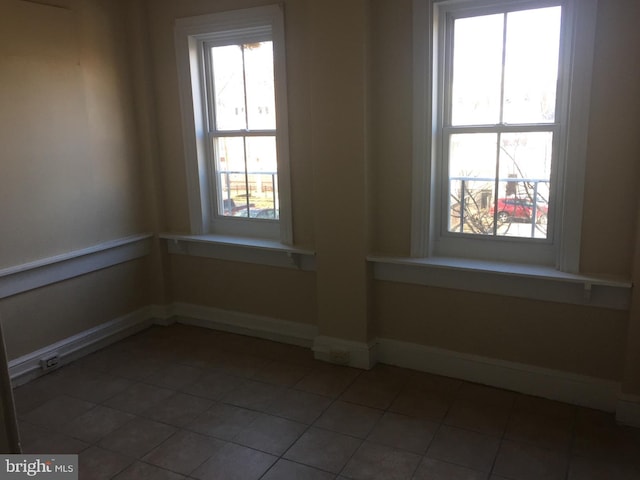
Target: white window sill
<point>241,249</point>
<point>515,280</point>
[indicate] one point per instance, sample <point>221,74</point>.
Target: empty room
<point>323,239</point>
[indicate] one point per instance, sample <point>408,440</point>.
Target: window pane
<point>523,191</point>
<point>228,77</point>
<point>531,65</point>
<point>477,70</point>
<point>472,172</point>
<point>231,173</point>
<point>258,58</point>
<point>262,169</point>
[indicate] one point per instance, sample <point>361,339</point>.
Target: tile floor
<point>184,402</point>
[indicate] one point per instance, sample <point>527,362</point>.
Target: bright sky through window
<point>500,125</point>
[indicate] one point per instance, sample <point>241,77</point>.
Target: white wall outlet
<point>340,357</point>
<point>50,363</point>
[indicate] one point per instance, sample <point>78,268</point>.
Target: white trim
<point>283,331</point>
<point>583,31</point>
<point>241,249</point>
<point>421,168</point>
<point>513,280</point>
<point>553,384</point>
<point>27,367</point>
<point>28,276</point>
<point>628,410</point>
<point>345,352</point>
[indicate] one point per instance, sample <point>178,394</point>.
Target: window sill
<point>514,280</point>
<point>241,249</point>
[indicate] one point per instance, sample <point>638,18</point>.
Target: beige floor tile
<point>144,471</point>
<point>242,401</point>
<point>223,421</point>
<point>242,365</point>
<point>254,395</point>
<point>378,462</point>
<point>178,410</point>
<point>487,395</point>
<point>281,373</point>
<point>529,405</point>
<point>527,462</point>
<point>431,469</point>
<point>349,419</point>
<point>36,439</point>
<point>328,380</point>
<point>427,382</point>
<point>137,437</point>
<point>591,469</point>
<point>299,406</point>
<point>36,393</point>
<point>374,394</point>
<point>94,387</point>
<point>596,435</point>
<point>100,464</point>
<point>390,376</point>
<point>286,470</point>
<point>235,462</point>
<point>406,433</point>
<point>184,452</point>
<point>324,450</point>
<point>175,376</point>
<point>139,397</point>
<point>58,411</point>
<point>213,385</point>
<point>270,434</point>
<point>96,423</point>
<point>464,447</point>
<point>477,416</point>
<point>542,430</point>
<point>426,405</point>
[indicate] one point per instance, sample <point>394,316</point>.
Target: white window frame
<point>563,251</point>
<point>191,35</point>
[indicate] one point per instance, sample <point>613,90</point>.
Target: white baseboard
<point>553,384</point>
<point>284,331</point>
<point>345,352</point>
<point>557,385</point>
<point>27,367</point>
<point>628,410</point>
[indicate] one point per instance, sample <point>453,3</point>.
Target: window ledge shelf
<point>241,249</point>
<point>515,280</point>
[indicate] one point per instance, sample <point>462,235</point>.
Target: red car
<point>520,209</point>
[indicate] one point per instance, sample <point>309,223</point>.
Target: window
<point>501,93</point>
<point>233,98</point>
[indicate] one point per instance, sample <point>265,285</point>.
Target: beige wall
<point>588,341</point>
<point>70,173</point>
<point>70,177</point>
<point>41,317</point>
<point>282,293</point>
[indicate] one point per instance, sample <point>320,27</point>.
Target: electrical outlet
<point>340,357</point>
<point>50,363</point>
